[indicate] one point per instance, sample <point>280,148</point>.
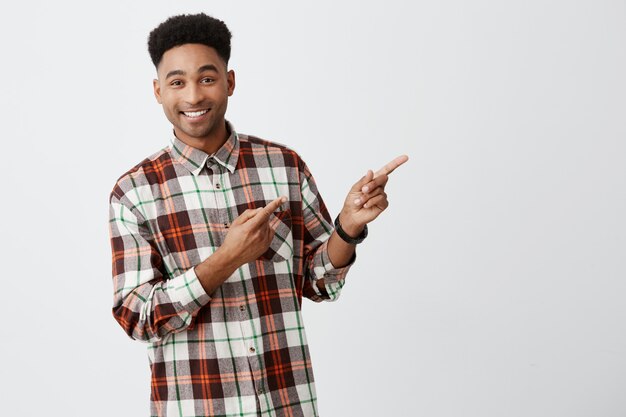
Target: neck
<point>208,144</point>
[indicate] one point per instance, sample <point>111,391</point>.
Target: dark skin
<point>193,77</point>
<point>193,86</point>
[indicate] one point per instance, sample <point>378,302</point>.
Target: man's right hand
<point>249,237</point>
<point>250,234</point>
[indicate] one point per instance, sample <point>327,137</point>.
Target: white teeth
<point>195,113</point>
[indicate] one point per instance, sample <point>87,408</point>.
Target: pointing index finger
<point>391,166</point>
<point>266,211</point>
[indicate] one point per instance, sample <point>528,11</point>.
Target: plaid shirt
<point>241,351</point>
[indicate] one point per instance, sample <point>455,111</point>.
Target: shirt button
<point>260,391</point>
<point>252,350</point>
<point>227,225</point>
<point>218,186</point>
<point>242,308</point>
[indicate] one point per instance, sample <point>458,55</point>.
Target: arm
<point>148,306</point>
<point>145,304</point>
<point>327,258</point>
<point>364,203</point>
<point>249,236</point>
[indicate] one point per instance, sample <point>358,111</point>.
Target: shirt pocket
<point>281,246</point>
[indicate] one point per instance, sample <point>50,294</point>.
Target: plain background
<point>494,285</point>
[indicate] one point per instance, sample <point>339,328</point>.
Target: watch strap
<point>347,238</point>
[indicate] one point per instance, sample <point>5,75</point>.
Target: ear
<point>157,90</point>
<point>230,79</point>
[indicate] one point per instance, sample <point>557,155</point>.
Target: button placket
<point>217,178</point>
<point>218,195</point>
<point>254,358</point>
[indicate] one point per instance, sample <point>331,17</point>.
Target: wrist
<point>339,229</point>
<point>352,229</point>
<point>219,264</point>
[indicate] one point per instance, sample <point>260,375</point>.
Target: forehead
<point>188,58</point>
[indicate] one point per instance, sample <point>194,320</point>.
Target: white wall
<point>494,285</point>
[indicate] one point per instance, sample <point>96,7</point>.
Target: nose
<point>193,95</point>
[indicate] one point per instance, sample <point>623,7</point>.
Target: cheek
<point>170,105</point>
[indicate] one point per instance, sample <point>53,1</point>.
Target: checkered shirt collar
<point>195,159</point>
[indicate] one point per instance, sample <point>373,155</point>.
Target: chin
<point>197,133</point>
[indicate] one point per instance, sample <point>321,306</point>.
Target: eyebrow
<point>207,67</point>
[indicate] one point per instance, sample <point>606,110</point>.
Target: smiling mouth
<point>195,114</point>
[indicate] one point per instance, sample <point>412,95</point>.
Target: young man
<point>216,239</point>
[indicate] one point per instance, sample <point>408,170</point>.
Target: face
<point>193,86</point>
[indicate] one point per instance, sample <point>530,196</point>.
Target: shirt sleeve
<point>318,227</point>
<point>145,304</point>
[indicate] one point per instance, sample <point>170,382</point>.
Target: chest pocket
<point>281,247</point>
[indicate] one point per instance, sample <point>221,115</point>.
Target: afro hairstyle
<point>189,28</point>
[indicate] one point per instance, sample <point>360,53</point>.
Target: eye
<point>176,83</point>
<point>208,80</point>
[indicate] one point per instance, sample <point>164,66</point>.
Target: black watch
<point>343,235</point>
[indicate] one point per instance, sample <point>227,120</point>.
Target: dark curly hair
<point>189,28</point>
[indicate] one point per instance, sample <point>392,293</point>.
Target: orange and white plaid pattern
<point>241,351</point>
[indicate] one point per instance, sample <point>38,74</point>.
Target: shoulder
<point>150,170</point>
<point>254,147</point>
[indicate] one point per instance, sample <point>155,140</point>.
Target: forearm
<point>248,238</point>
<point>152,310</point>
<point>339,251</point>
<point>150,303</point>
<point>214,270</point>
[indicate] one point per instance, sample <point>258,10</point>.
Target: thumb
<point>356,188</point>
<point>245,216</point>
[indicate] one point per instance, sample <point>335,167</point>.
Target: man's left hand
<point>367,198</point>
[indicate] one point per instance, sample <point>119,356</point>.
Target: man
<point>217,237</point>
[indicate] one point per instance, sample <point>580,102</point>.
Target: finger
<point>264,213</point>
<point>364,180</point>
<point>378,181</point>
<point>274,222</point>
<point>245,216</point>
<point>270,234</point>
<point>391,166</point>
<point>380,202</point>
<point>366,197</point>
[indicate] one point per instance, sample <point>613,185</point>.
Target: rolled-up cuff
<point>188,292</point>
<point>333,277</point>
